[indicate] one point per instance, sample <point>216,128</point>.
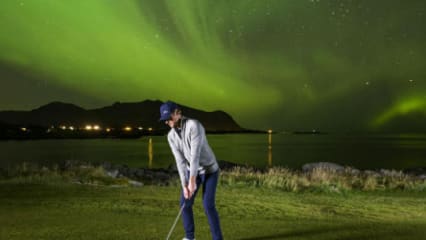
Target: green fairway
<point>73,211</point>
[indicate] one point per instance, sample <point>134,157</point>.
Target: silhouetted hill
<point>144,113</point>
<point>54,113</point>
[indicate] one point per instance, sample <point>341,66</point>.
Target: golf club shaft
<point>176,220</point>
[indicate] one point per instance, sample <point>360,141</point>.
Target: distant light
<point>24,129</point>
<point>314,130</point>
<point>96,127</point>
<point>140,128</point>
<point>150,129</point>
<point>108,129</point>
<point>71,128</point>
<point>88,127</point>
<point>128,129</point>
<point>63,127</point>
<point>270,131</point>
<point>411,80</point>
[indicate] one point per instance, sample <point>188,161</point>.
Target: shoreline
<point>322,176</point>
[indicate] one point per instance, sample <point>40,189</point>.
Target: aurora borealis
<point>331,65</point>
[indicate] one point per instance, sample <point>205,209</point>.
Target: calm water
<point>361,151</point>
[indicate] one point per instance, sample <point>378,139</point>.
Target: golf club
<point>176,220</point>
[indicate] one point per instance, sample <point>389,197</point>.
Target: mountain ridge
<point>143,113</point>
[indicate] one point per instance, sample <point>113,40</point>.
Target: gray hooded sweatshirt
<point>191,150</point>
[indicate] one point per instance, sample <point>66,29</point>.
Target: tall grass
<point>317,180</point>
<point>322,179</point>
<point>81,174</point>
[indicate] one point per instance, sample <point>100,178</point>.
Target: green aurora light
<point>279,64</point>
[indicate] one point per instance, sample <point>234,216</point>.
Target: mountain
<point>145,113</point>
<point>54,113</point>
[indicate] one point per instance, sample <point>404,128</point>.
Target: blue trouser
<point>209,183</point>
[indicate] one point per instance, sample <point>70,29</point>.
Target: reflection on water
<point>150,152</point>
<point>289,150</point>
<point>269,148</point>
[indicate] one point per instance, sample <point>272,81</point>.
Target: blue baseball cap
<point>166,109</point>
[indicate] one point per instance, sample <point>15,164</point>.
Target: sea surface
<point>260,150</point>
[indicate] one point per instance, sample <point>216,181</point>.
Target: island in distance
<point>119,120</point>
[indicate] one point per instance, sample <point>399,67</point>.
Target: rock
<point>385,172</point>
<point>323,165</point>
<point>124,170</point>
<point>112,173</point>
<point>390,173</point>
<point>162,176</point>
<point>422,177</point>
<point>139,172</point>
<point>415,171</point>
<point>135,183</point>
<point>352,171</point>
<point>372,173</point>
<point>149,176</point>
<point>106,165</point>
<point>225,165</point>
<point>132,173</point>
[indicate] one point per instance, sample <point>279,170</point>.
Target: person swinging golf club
<point>197,166</point>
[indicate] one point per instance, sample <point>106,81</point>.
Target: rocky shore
<point>89,173</point>
<point>419,172</point>
<point>141,176</point>
<point>163,176</point>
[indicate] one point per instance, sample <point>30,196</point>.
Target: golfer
<point>196,164</point>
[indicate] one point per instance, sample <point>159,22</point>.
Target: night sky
<point>330,65</point>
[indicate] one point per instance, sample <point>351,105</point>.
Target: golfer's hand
<point>192,186</point>
<point>186,193</point>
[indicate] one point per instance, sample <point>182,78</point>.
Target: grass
<point>317,180</point>
<point>323,180</point>
<point>59,209</point>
